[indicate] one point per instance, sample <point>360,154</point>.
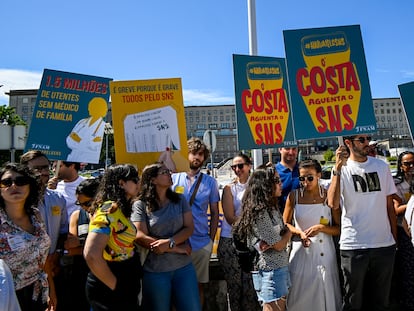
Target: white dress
<point>313,270</point>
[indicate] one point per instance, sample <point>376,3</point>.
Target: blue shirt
<point>54,214</point>
<point>206,194</point>
<point>290,181</point>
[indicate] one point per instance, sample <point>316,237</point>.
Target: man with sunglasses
<point>362,186</point>
<point>289,173</point>
<point>52,208</point>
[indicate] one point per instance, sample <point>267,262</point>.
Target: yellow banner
<point>148,118</point>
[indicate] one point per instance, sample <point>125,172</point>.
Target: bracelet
<point>336,173</point>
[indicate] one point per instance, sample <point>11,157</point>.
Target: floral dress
<point>25,253</point>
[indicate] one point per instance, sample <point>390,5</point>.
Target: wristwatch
<point>172,243</point>
<point>335,172</point>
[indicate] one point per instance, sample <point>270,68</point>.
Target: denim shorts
<point>271,285</point>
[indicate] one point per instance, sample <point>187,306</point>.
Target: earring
<point>321,192</point>
<point>301,191</point>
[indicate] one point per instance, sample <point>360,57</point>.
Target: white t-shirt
<point>237,190</point>
<point>409,216</point>
<point>68,190</point>
<point>364,190</point>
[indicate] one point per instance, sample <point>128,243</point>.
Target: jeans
<point>367,278</point>
<point>178,287</point>
<point>271,285</point>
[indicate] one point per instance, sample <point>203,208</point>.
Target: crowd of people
<point>143,241</point>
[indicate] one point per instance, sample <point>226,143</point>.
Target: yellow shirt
<point>121,231</point>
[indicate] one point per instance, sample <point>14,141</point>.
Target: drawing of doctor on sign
<point>86,137</point>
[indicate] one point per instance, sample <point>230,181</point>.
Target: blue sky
<point>193,40</point>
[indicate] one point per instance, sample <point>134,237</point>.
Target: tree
<point>328,155</point>
<point>8,114</point>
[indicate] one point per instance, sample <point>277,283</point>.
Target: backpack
<point>246,256</point>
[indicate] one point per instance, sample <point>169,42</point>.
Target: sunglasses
<point>363,139</point>
<point>86,203</point>
<point>309,178</point>
<point>277,180</point>
<point>164,172</point>
<point>239,166</point>
<point>408,164</point>
<point>40,167</point>
<point>18,181</point>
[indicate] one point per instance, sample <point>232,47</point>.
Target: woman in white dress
<point>312,263</point>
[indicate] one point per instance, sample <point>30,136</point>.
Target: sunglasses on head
<point>239,166</point>
<point>408,164</point>
<point>310,178</point>
<point>363,139</point>
<point>18,181</point>
<point>86,203</point>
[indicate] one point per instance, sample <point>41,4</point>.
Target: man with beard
<point>289,173</point>
<point>201,191</point>
<point>53,211</point>
<point>363,188</point>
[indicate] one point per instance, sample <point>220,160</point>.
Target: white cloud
<point>14,79</point>
<point>407,73</point>
<point>203,98</point>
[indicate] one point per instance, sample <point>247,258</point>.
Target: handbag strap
<point>195,189</point>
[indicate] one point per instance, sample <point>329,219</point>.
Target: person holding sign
<point>363,188</point>
<point>86,137</point>
<point>312,264</point>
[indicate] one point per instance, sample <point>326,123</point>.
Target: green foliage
<point>9,115</point>
<point>328,155</point>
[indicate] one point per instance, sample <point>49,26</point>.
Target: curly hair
<point>195,144</point>
<point>89,188</point>
<point>110,190</point>
<point>400,176</point>
<point>35,185</point>
<point>257,197</point>
<point>148,193</point>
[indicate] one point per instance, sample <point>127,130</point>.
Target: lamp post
<point>108,130</point>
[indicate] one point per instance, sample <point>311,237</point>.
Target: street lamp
<point>108,130</point>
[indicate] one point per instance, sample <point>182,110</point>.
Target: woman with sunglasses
<point>164,221</point>
<point>262,224</point>
<point>24,243</point>
<point>78,231</point>
<point>239,284</point>
<point>404,257</point>
<point>113,282</point>
<point>312,264</point>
